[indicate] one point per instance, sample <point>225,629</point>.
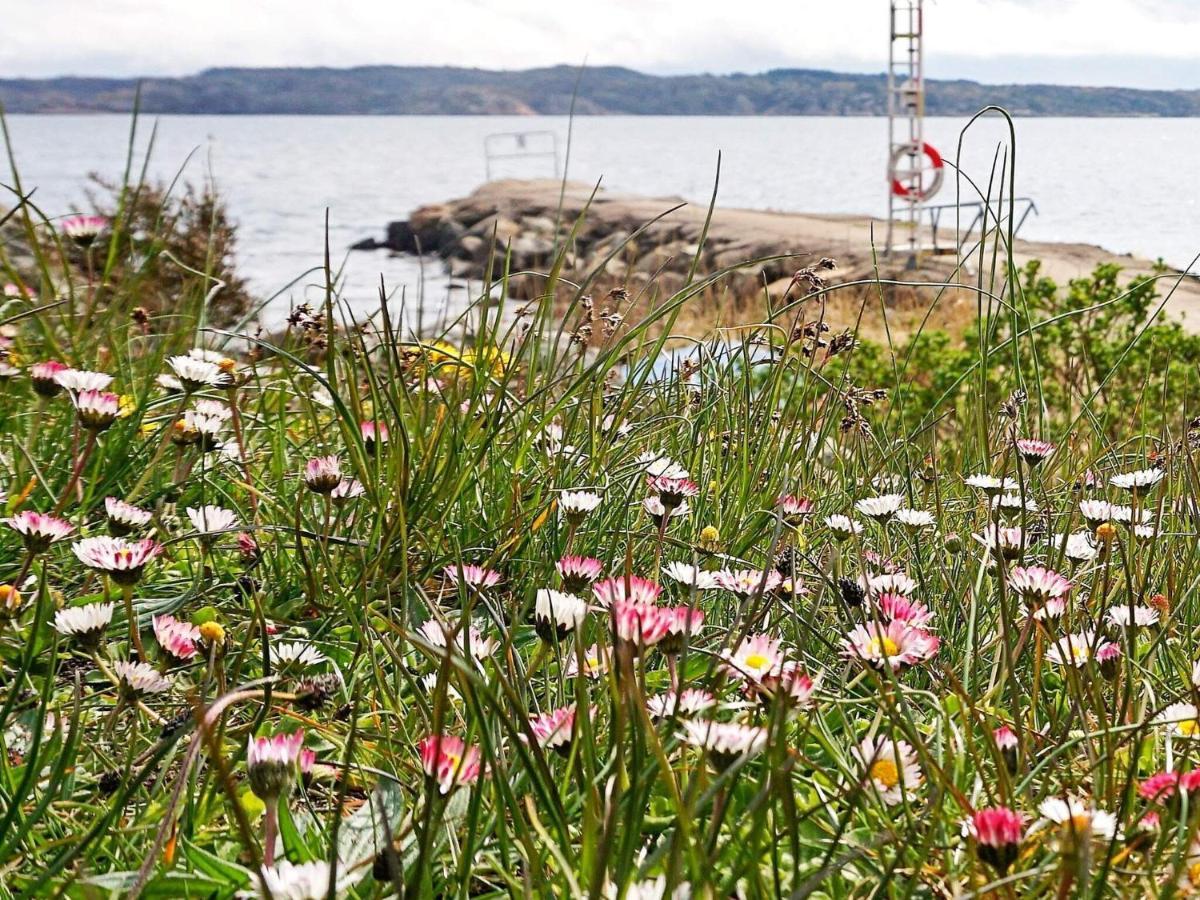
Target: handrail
<point>520,139</point>
<point>935,215</point>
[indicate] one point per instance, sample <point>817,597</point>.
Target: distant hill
<point>410,90</point>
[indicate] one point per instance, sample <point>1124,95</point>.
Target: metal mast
<point>906,111</point>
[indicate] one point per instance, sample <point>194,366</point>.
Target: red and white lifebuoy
<point>936,166</point>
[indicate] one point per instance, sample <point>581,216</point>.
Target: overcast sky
<point>1139,43</point>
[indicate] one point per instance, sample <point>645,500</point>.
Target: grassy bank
<point>349,610</point>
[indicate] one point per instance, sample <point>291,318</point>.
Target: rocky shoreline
<point>647,247</point>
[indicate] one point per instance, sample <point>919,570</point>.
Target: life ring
<point>935,164</point>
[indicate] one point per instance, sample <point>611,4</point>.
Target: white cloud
<point>1115,41</point>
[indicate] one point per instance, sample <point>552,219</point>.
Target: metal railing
<point>520,145</point>
<point>1022,207</point>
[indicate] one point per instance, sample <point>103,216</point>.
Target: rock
<point>400,237</point>
<point>367,244</point>
<point>471,247</point>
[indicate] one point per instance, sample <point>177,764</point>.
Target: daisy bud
<point>554,730</point>
<point>38,531</point>
<point>672,491</point>
<point>578,572</point>
<point>97,409</point>
<point>1106,532</point>
<point>247,546</point>
<point>853,594</point>
<point>42,377</point>
<point>272,763</point>
<point>212,633</point>
<point>322,474</point>
<point>1161,603</point>
<point>1108,655</point>
<point>83,230</point>
<point>1006,743</point>
<point>794,509</point>
<point>683,623</point>
<point>448,762</point>
<point>10,599</point>
<point>640,625</point>
<point>575,505</point>
<point>124,518</point>
<point>710,539</point>
<point>121,560</point>
<point>137,679</point>
<point>374,435</point>
<point>997,832</point>
<point>1144,833</point>
<point>1034,452</point>
<point>177,639</point>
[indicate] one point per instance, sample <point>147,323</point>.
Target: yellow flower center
<point>885,772</point>
<point>1079,824</point>
<point>756,661</point>
<point>1190,728</point>
<point>883,646</point>
<point>1194,873</point>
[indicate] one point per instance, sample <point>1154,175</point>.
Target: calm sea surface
<point>1131,185</point>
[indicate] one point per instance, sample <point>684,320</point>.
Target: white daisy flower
<point>1136,616</point>
<point>209,520</point>
<point>842,527</point>
<point>1077,814</point>
<point>916,519</point>
<point>890,768</point>
<point>83,621</point>
<point>880,508</point>
<point>690,575</point>
<point>297,653</point>
<point>990,484</point>
<point>1138,481</point>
